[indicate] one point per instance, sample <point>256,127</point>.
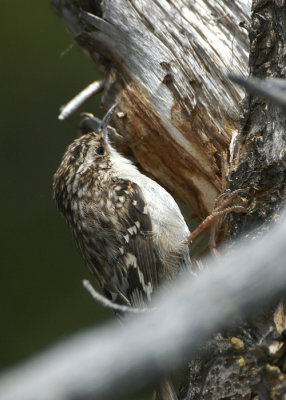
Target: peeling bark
<point>165,64</point>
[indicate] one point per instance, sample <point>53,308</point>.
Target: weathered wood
<point>249,362</point>
<point>259,153</point>
<point>165,64</point>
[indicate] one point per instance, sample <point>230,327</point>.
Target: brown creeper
<point>128,229</point>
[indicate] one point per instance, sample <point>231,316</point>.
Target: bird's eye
<point>100,150</point>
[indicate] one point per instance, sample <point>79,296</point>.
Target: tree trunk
<point>165,64</point>
<point>259,153</point>
<point>249,362</point>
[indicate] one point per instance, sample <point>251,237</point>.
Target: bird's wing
<point>140,259</point>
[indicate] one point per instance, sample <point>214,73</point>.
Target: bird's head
<point>85,161</point>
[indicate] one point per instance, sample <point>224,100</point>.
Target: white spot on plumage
<point>75,184</point>
<point>104,217</point>
<point>132,230</point>
<point>81,211</point>
<point>69,188</point>
<point>74,205</point>
<point>113,219</point>
<point>131,260</point>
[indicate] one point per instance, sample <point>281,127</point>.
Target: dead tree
<point>165,64</point>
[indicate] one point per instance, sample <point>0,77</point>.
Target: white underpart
<point>169,226</point>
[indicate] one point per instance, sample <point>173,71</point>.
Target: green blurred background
<point>42,299</point>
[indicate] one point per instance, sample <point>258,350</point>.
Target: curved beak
<point>106,119</point>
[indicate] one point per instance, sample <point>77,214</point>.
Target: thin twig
<point>108,303</point>
<point>273,88</point>
<point>74,104</point>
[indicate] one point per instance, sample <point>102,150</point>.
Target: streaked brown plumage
<point>128,229</point>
